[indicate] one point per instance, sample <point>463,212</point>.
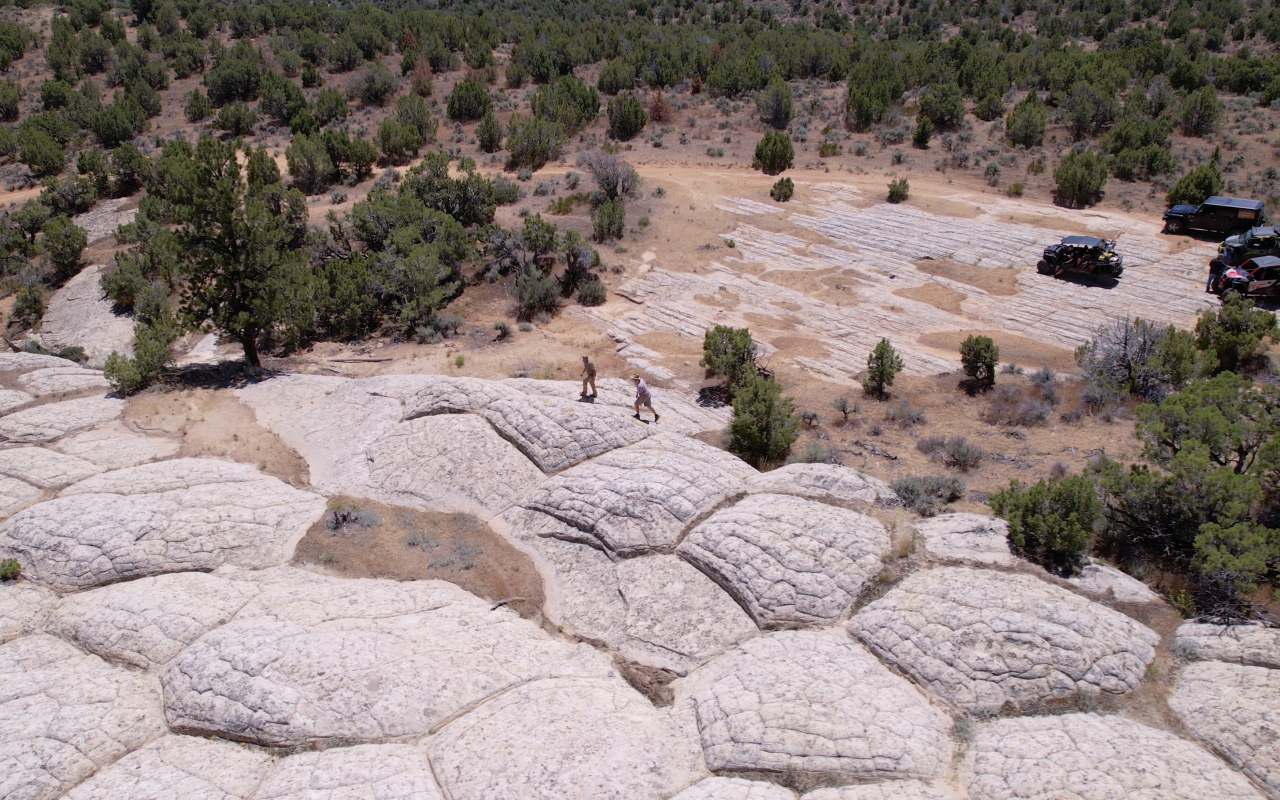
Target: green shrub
<point>374,86</point>
<point>569,102</point>
<point>1080,177</point>
<point>536,294</point>
<point>1026,123</point>
<point>28,305</point>
<point>489,133</point>
<point>883,365</point>
<point>943,104</point>
<point>64,242</point>
<point>532,142</point>
<point>310,164</point>
<point>152,355</point>
<point>236,119</point>
<point>55,95</point>
<point>898,190</point>
<point>9,569</point>
<point>979,355</point>
<point>764,424</point>
<point>923,132</point>
<point>774,153</point>
<point>592,292</point>
<point>730,352</point>
<point>398,143</point>
<point>774,103</point>
<point>782,190</point>
<point>1193,188</point>
<point>1050,523</point>
<point>281,98</point>
<point>232,79</point>
<point>989,108</point>
<point>926,495</point>
<point>1200,111</point>
<point>10,95</point>
<point>311,76</point>
<point>608,220</point>
<point>198,106</point>
<point>616,76</point>
<point>468,101</point>
<point>1233,333</point>
<point>627,117</point>
<point>40,152</point>
<point>329,107</point>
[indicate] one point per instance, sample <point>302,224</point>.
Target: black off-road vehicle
<point>1225,215</point>
<point>1257,277</point>
<point>1087,254</point>
<point>1261,241</point>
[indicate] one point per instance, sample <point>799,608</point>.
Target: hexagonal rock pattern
<point>62,380</point>
<point>1252,645</point>
<point>172,516</point>
<point>981,639</point>
<point>896,790</point>
<point>50,422</point>
<point>1108,582</point>
<point>1087,756</point>
<point>64,715</point>
<point>450,462</point>
<point>26,471</point>
<point>965,537</point>
<point>148,621</point>
<point>639,499</point>
<point>314,660</point>
<point>1235,710</point>
<point>815,703</point>
<point>112,446</point>
<point>14,362</point>
<point>559,738</point>
<point>829,483</point>
<point>24,607</point>
<point>657,611</point>
<point>373,771</point>
<point>788,560</point>
<point>717,788</point>
<point>618,394</point>
<point>11,399</point>
<point>180,768</point>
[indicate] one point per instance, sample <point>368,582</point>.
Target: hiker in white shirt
<point>643,398</point>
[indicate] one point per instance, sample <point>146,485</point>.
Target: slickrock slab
<point>11,399</point>
<point>679,415</point>
<point>317,660</point>
<point>14,494</point>
<point>111,446</point>
<point>1087,756</point>
<point>1251,645</point>
<point>372,771</point>
<point>50,422</point>
<point>829,483</point>
<point>24,607</point>
<point>1234,710</point>
<point>276,397</point>
<point>815,703</point>
<point>173,516</point>
<point>980,639</point>
<point>657,611</point>
<point>639,499</point>
<point>148,621</point>
<point>788,560</point>
<point>448,463</point>
<point>966,537</point>
<point>180,768</point>
<point>80,315</point>
<point>44,469</point>
<point>14,362</point>
<point>560,738</point>
<point>64,715</point>
<point>717,788</point>
<point>553,432</point>
<point>62,380</point>
<point>1109,582</point>
<point>896,790</point>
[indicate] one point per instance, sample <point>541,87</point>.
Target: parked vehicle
<point>1087,254</point>
<point>1257,277</point>
<point>1226,215</point>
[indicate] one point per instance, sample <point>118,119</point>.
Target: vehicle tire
<point>1175,226</point>
<point>1043,268</point>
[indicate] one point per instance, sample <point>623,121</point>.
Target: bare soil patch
<point>404,544</point>
<point>936,295</point>
<point>1000,281</point>
<point>1013,348</point>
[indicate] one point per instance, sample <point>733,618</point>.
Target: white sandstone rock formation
<point>894,790</point>
<point>965,537</point>
<point>62,380</point>
<point>24,608</point>
<point>814,703</point>
<point>639,499</point>
<point>1087,756</point>
<point>172,516</point>
<point>618,394</point>
<point>26,472</point>
<point>80,315</point>
<point>980,639</point>
<point>20,362</point>
<point>64,715</point>
<point>328,661</point>
<point>112,446</point>
<point>717,788</point>
<point>148,621</point>
<point>1251,645</point>
<point>788,560</point>
<point>1108,582</point>
<point>373,771</point>
<point>566,737</point>
<point>829,483</point>
<point>180,768</point>
<point>1234,710</point>
<point>11,399</point>
<point>51,422</point>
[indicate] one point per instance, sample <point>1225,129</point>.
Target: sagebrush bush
<point>592,292</point>
<point>903,414</point>
<point>1020,405</point>
<point>926,494</point>
<point>953,451</point>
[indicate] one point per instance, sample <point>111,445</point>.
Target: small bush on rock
<point>10,569</point>
<point>927,494</point>
<point>1050,523</point>
<point>783,190</point>
<point>898,190</point>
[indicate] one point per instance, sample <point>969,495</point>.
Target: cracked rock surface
<point>1108,582</point>
<point>50,422</point>
<point>179,768</point>
<point>979,639</point>
<point>1087,756</point>
<point>17,362</point>
<point>815,703</point>
<point>64,715</point>
<point>311,659</point>
<point>62,380</point>
<point>564,737</point>
<point>172,516</point>
<point>373,771</point>
<point>11,399</point>
<point>79,315</point>
<point>788,560</point>
<point>829,483</point>
<point>639,499</point>
<point>895,790</point>
<point>1235,710</point>
<point>112,446</point>
<point>24,607</point>
<point>1252,645</point>
<point>718,788</point>
<point>965,537</point>
<point>25,472</point>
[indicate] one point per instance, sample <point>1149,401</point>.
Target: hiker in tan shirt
<point>588,376</point>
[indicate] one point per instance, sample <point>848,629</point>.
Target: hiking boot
<point>656,416</point>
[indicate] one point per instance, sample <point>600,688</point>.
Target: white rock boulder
<point>814,703</point>
<point>373,771</point>
<point>12,398</point>
<point>788,560</point>
<point>24,607</point>
<point>1251,645</point>
<point>112,446</point>
<point>1110,583</point>
<point>52,421</point>
<point>980,639</point>
<point>828,483</point>
<point>894,790</point>
<point>180,768</point>
<point>21,362</point>
<point>965,537</point>
<point>718,788</point>
<point>1087,756</point>
<point>25,472</point>
<point>63,380</point>
<point>79,315</point>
